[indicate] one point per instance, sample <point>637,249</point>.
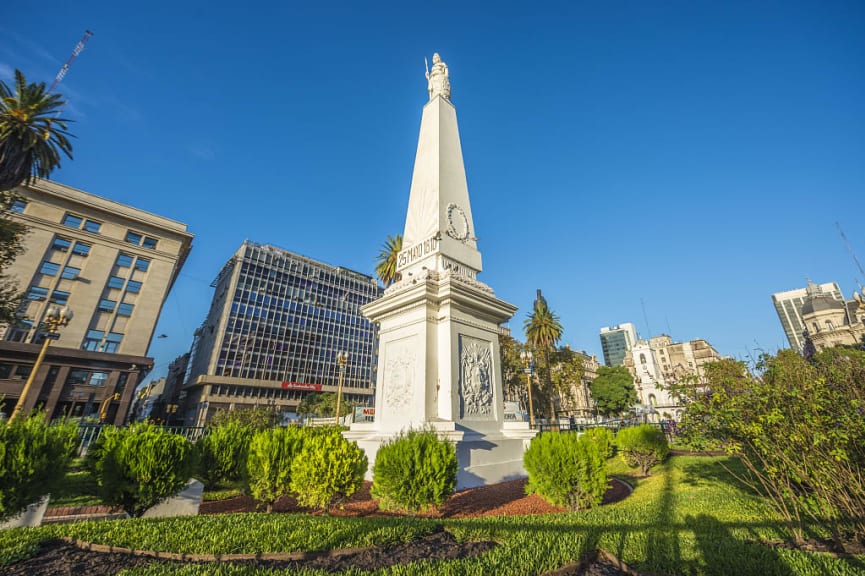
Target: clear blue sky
<point>691,155</point>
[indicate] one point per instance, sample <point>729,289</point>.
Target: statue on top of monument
<point>438,82</point>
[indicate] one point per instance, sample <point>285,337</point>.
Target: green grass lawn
<point>689,517</point>
<point>77,489</point>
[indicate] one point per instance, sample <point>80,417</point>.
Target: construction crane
<point>75,52</point>
<point>852,253</point>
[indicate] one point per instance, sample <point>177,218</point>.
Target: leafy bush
<point>603,437</point>
<point>257,418</point>
<point>798,427</point>
<point>34,456</point>
<point>566,470</point>
<point>328,469</point>
<point>268,462</point>
<point>222,453</point>
<point>142,465</point>
<point>414,472</point>
<point>642,446</point>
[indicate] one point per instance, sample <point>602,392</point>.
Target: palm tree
<point>31,136</point>
<point>385,268</point>
<point>543,332</point>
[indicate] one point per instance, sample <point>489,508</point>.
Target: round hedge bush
<point>414,472</point>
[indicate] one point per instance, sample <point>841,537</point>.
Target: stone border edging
<point>189,557</point>
<point>626,483</point>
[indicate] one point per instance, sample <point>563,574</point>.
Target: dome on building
<point>820,303</point>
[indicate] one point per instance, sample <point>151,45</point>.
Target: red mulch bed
<point>503,499</point>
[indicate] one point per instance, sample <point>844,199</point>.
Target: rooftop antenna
<point>852,253</point>
<point>646,318</point>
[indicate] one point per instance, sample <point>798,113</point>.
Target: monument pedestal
<point>439,369</point>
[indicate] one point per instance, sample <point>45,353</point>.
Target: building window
<point>22,371</point>
<point>150,242</point>
<point>49,268</point>
<point>93,340</point>
<point>76,377</point>
<point>125,309</point>
<point>142,264</point>
<point>61,244</point>
<point>92,226</point>
<point>18,206</point>
<point>133,238</point>
<point>73,221</point>
<point>124,260</point>
<point>81,249</point>
<point>829,326</point>
<point>112,342</point>
<point>70,272</point>
<point>107,305</point>
<point>5,371</point>
<point>133,286</point>
<point>37,293</point>
<point>98,378</point>
<point>115,282</point>
<point>60,297</point>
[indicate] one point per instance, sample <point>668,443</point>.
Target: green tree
<point>797,425</point>
<point>566,375</point>
<point>31,135</point>
<point>323,404</point>
<point>543,332</point>
<point>642,446</point>
<point>386,260</point>
<point>255,418</point>
<point>513,380</point>
<point>11,238</point>
<point>613,390</point>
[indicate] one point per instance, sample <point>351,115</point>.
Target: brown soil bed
<point>59,557</point>
<point>504,499</point>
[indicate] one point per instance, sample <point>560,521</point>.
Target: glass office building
<point>275,327</point>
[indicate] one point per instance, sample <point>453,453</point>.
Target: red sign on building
<point>301,386</point>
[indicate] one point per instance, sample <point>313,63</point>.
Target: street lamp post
<point>103,408</point>
<point>54,318</point>
<point>527,358</point>
<point>342,360</point>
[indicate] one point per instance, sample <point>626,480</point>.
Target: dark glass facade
<point>276,324</point>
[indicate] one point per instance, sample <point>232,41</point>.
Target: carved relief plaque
<point>476,378</point>
<point>399,373</point>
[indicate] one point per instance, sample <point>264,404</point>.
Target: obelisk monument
<point>439,363</point>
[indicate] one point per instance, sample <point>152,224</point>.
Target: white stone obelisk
<point>439,363</point>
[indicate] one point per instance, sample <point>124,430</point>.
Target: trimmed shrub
<point>642,446</point>
<point>414,472</point>
<point>603,437</point>
<point>257,418</point>
<point>34,456</point>
<point>268,462</point>
<point>222,453</point>
<point>566,470</point>
<point>142,465</point>
<point>328,469</point>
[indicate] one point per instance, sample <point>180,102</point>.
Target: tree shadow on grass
<point>723,553</point>
<point>713,470</point>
